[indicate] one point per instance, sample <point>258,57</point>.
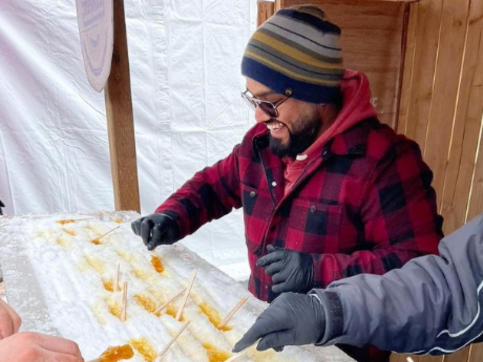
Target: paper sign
<point>96,35</point>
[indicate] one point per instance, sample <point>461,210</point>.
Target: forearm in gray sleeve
<point>431,305</point>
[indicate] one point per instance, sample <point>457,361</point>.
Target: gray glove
<point>156,229</point>
<point>291,319</point>
<point>291,271</point>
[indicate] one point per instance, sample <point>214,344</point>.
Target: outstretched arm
<point>434,302</point>
<point>431,305</point>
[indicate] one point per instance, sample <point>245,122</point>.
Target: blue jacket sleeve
<point>430,306</point>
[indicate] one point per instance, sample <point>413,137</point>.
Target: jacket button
<point>313,209</point>
<point>274,183</point>
<point>252,194</point>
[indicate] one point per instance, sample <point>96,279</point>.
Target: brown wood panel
<point>476,353</point>
<point>476,195</point>
<point>446,87</point>
<point>122,146</point>
<point>371,42</point>
<point>408,68</point>
<point>421,92</point>
<point>265,10</point>
<point>475,112</point>
<point>468,123</point>
<point>460,356</point>
<point>431,359</point>
<point>396,357</point>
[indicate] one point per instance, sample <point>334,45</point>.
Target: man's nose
<point>261,116</point>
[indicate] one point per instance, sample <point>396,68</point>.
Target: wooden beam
<point>119,112</point>
<point>409,37</point>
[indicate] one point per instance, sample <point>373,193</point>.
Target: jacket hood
<point>356,107</point>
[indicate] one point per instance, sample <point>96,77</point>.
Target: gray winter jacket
<point>431,305</point>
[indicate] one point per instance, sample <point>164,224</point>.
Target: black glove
<point>1,205</point>
<point>291,271</point>
<point>156,229</point>
<point>291,319</point>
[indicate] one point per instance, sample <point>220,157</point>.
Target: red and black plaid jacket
<point>366,205</point>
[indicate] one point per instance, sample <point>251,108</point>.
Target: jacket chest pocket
<point>257,210</point>
<point>314,227</point>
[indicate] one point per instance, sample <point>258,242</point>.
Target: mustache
<point>272,120</point>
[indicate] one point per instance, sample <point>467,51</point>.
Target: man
<point>432,305</point>
<point>28,347</point>
<point>327,190</point>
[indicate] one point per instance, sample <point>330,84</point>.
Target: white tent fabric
<point>185,78</point>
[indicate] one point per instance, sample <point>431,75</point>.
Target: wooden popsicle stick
<point>242,352</point>
<point>186,295</point>
<point>124,302</point>
<point>110,231</point>
<point>232,312</point>
<point>165,349</point>
<point>169,301</point>
<point>116,280</point>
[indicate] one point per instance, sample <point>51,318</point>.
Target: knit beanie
<point>297,53</point>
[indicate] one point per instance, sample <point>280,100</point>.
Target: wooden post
<point>119,112</point>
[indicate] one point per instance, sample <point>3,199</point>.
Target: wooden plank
<point>476,353</point>
<point>468,123</point>
<point>371,42</point>
<point>476,111</point>
<point>476,194</point>
<point>431,359</point>
<point>120,119</point>
<point>421,94</point>
<point>397,357</point>
<point>459,356</point>
<point>446,88</point>
<point>265,11</point>
<point>408,66</point>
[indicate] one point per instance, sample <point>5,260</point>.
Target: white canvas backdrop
<point>185,78</point>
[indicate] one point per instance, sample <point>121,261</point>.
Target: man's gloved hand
<point>291,319</point>
<point>156,229</point>
<point>1,205</point>
<point>291,271</point>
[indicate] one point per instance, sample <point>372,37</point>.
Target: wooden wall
<point>372,33</point>
<point>441,108</point>
<point>442,101</point>
<point>438,96</point>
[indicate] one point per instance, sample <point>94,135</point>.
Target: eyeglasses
<point>269,108</point>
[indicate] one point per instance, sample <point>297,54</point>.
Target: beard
<point>304,133</point>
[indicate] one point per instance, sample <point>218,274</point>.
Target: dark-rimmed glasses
<point>269,108</point>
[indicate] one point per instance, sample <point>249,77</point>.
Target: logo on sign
<point>96,35</point>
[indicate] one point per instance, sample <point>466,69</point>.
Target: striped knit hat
<point>297,53</point>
